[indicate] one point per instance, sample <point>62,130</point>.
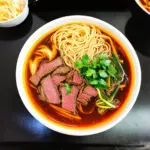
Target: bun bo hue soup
<point>77,75</point>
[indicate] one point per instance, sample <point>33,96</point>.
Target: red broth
<point>90,120</point>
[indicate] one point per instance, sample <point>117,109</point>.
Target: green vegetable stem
<point>105,73</point>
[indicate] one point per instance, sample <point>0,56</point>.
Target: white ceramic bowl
<point>17,20</point>
<point>140,5</point>
<point>135,69</point>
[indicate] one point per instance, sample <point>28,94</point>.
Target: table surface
<point>16,123</point>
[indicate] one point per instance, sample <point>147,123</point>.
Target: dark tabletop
<point>16,123</point>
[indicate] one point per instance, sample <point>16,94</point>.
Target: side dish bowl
<point>17,20</point>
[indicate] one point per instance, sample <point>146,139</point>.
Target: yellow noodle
<point>75,40</point>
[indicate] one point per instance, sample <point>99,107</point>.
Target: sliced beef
<point>74,78</point>
<point>50,90</point>
<point>77,79</point>
<point>42,95</point>
<point>69,77</point>
<point>44,61</point>
<point>82,101</point>
<point>69,101</point>
<point>44,69</point>
<point>90,91</point>
<point>57,79</point>
<point>84,96</point>
<point>63,70</point>
<point>39,89</point>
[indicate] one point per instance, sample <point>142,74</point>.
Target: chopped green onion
<point>105,101</point>
<point>102,111</point>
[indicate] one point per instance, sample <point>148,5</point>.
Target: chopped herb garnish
<point>107,62</point>
<point>112,71</point>
<point>102,82</point>
<point>103,56</point>
<point>78,64</point>
<point>94,82</point>
<point>97,71</point>
<point>85,59</point>
<point>68,88</point>
<point>103,73</point>
<point>94,63</point>
<point>90,72</point>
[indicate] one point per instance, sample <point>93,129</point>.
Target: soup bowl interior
<point>106,27</point>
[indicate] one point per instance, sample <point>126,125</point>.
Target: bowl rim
<point>140,5</point>
<point>60,129</point>
<point>13,19</point>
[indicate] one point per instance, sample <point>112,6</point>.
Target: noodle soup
<point>78,76</point>
<point>72,42</point>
